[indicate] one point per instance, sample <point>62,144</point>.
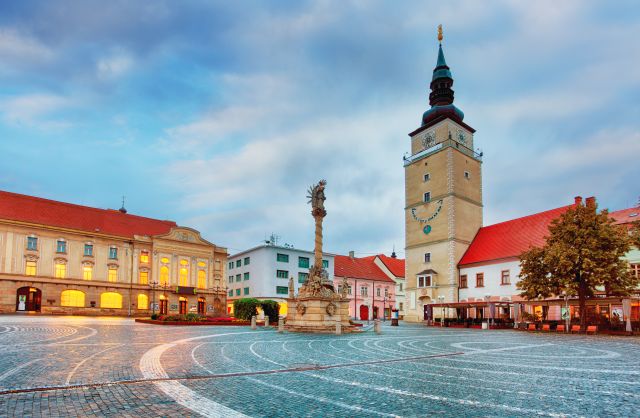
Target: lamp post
<point>153,285</point>
<point>384,308</point>
<point>441,300</point>
<point>567,318</point>
<point>487,298</point>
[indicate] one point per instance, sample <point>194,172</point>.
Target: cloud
<point>20,49</point>
<point>114,65</point>
<point>35,110</point>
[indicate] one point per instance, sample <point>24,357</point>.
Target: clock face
<point>427,227</point>
<point>428,140</point>
<point>462,138</point>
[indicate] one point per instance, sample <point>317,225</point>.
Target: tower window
<point>424,281</point>
<point>467,175</point>
<point>427,197</point>
<point>427,177</point>
<point>427,257</point>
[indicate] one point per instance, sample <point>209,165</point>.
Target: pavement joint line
<point>223,375</point>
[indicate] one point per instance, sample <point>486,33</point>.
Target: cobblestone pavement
<point>76,366</point>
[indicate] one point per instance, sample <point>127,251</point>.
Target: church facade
<point>61,258</point>
<point>443,198</point>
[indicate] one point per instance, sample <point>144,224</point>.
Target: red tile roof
<point>511,238</point>
<point>395,265</point>
<point>18,207</point>
<point>625,216</point>
<point>359,268</point>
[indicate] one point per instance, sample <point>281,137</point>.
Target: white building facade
<point>263,273</point>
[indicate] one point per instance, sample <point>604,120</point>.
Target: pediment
<point>184,234</point>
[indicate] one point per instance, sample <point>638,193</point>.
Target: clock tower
<point>443,199</point>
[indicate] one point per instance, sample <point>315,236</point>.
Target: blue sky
<point>219,115</point>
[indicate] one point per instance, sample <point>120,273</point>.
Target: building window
<point>143,301</point>
<point>400,287</point>
<point>87,272</point>
<point>364,291</point>
<point>183,276</point>
<point>112,275</point>
<point>325,264</point>
<point>378,292</point>
<point>427,177</point>
<point>480,280</point>
<point>238,263</point>
<point>282,274</point>
<point>238,278</point>
<point>401,306</point>
<point>467,175</point>
<point>246,291</point>
<point>283,258</point>
<point>164,276</point>
<point>427,197</point>
<point>282,290</point>
<point>32,243</point>
<point>231,279</point>
<point>386,292</point>
<point>144,257</point>
<point>230,265</point>
<point>61,246</point>
<point>635,270</point>
<point>113,253</point>
<point>303,277</point>
<point>30,268</point>
<point>237,292</point>
<point>60,270</point>
<point>246,276</point>
<point>143,277</point>
<point>247,261</point>
<point>202,279</point>
<point>231,293</point>
<point>111,300</point>
<point>424,281</point>
<point>349,289</point>
<point>303,262</point>
<point>506,279</point>
<point>72,298</point>
<point>463,281</point>
<point>88,250</point>
<point>427,257</point>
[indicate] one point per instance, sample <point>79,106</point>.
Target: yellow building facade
<point>443,199</point>
<point>60,258</point>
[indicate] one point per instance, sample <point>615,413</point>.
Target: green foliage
<point>245,308</point>
<point>583,253</point>
<point>192,317</point>
<point>635,234</point>
<point>271,309</point>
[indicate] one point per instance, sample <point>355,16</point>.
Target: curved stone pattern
<point>115,367</point>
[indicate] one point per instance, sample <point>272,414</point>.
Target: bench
<point>575,328</point>
<point>560,328</point>
<point>546,327</point>
<point>592,328</point>
<point>531,327</point>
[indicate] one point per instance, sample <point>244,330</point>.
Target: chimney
<point>578,200</point>
<point>352,254</point>
<point>591,202</point>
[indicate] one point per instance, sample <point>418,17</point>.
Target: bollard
<point>338,327</point>
<point>266,321</point>
<point>253,322</point>
<point>376,326</point>
<point>281,325</point>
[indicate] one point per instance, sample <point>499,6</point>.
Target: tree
<point>582,254</point>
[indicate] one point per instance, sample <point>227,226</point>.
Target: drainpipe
<point>130,277</point>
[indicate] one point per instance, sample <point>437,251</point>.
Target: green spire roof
<point>441,70</point>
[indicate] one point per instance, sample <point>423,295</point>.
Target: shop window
<point>30,268</point>
<point>143,301</point>
<point>72,298</point>
<point>111,300</point>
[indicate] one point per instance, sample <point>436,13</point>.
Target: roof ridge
<point>527,216</point>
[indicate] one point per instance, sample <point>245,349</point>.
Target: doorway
<point>428,312</point>
<point>164,304</point>
<point>201,306</point>
<point>183,306</point>
<point>364,312</point>
<point>28,299</point>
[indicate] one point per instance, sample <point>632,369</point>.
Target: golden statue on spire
<point>440,36</point>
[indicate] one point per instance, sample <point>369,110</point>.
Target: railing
<point>441,145</point>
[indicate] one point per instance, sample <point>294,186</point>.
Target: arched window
<point>143,301</point>
<point>111,300</point>
<point>164,276</point>
<point>73,298</point>
<point>202,279</point>
<point>183,274</point>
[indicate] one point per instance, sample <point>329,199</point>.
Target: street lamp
<point>487,298</point>
<point>384,308</point>
<point>441,300</point>
<point>567,318</point>
<point>153,285</point>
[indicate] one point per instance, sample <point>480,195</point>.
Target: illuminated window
<point>87,272</point>
<point>184,276</point>
<point>111,300</point>
<point>88,250</point>
<point>32,243</point>
<point>144,277</point>
<point>164,260</point>
<point>143,301</point>
<point>61,246</point>
<point>202,279</point>
<point>164,276</point>
<point>113,253</point>
<point>202,264</point>
<point>144,256</point>
<point>73,298</point>
<point>113,275</point>
<point>30,268</point>
<point>60,270</point>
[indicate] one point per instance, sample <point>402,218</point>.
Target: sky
<point>220,115</point>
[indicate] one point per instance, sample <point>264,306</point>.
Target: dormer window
<point>88,250</point>
<point>32,243</point>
